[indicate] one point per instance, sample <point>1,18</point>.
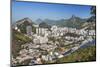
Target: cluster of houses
<point>60,31</point>
<point>41,40</point>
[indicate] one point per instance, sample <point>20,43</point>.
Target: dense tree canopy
<point>93,14</point>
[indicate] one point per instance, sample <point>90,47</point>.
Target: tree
<point>33,29</point>
<point>93,14</point>
<point>93,10</point>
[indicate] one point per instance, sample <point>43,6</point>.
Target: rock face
<point>24,25</point>
<point>23,21</point>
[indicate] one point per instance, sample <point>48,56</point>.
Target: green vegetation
<point>23,26</point>
<point>93,11</point>
<point>33,29</point>
<point>17,40</point>
<point>81,55</point>
<point>74,22</point>
<point>22,38</point>
<point>44,25</point>
<point>93,14</point>
<point>71,34</point>
<point>52,39</point>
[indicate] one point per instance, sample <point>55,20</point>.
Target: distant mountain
<point>44,25</point>
<point>38,21</point>
<point>25,21</point>
<point>74,22</point>
<point>50,22</point>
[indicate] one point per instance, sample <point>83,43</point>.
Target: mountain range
<point>74,22</point>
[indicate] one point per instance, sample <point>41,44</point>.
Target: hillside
<point>73,21</point>
<point>81,55</point>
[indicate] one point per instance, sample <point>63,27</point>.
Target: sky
<point>36,10</point>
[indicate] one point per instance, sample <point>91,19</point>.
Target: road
<point>84,43</point>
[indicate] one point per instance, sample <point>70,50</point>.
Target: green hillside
<point>81,55</point>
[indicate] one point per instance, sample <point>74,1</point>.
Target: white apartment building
<point>42,31</point>
<point>92,32</point>
<point>40,39</point>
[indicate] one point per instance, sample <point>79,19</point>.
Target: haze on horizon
<point>38,10</point>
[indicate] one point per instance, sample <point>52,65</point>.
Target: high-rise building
<point>29,30</point>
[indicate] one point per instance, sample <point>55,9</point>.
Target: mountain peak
<point>26,20</point>
<point>73,16</point>
<point>38,21</point>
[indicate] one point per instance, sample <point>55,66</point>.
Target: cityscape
<point>53,41</point>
